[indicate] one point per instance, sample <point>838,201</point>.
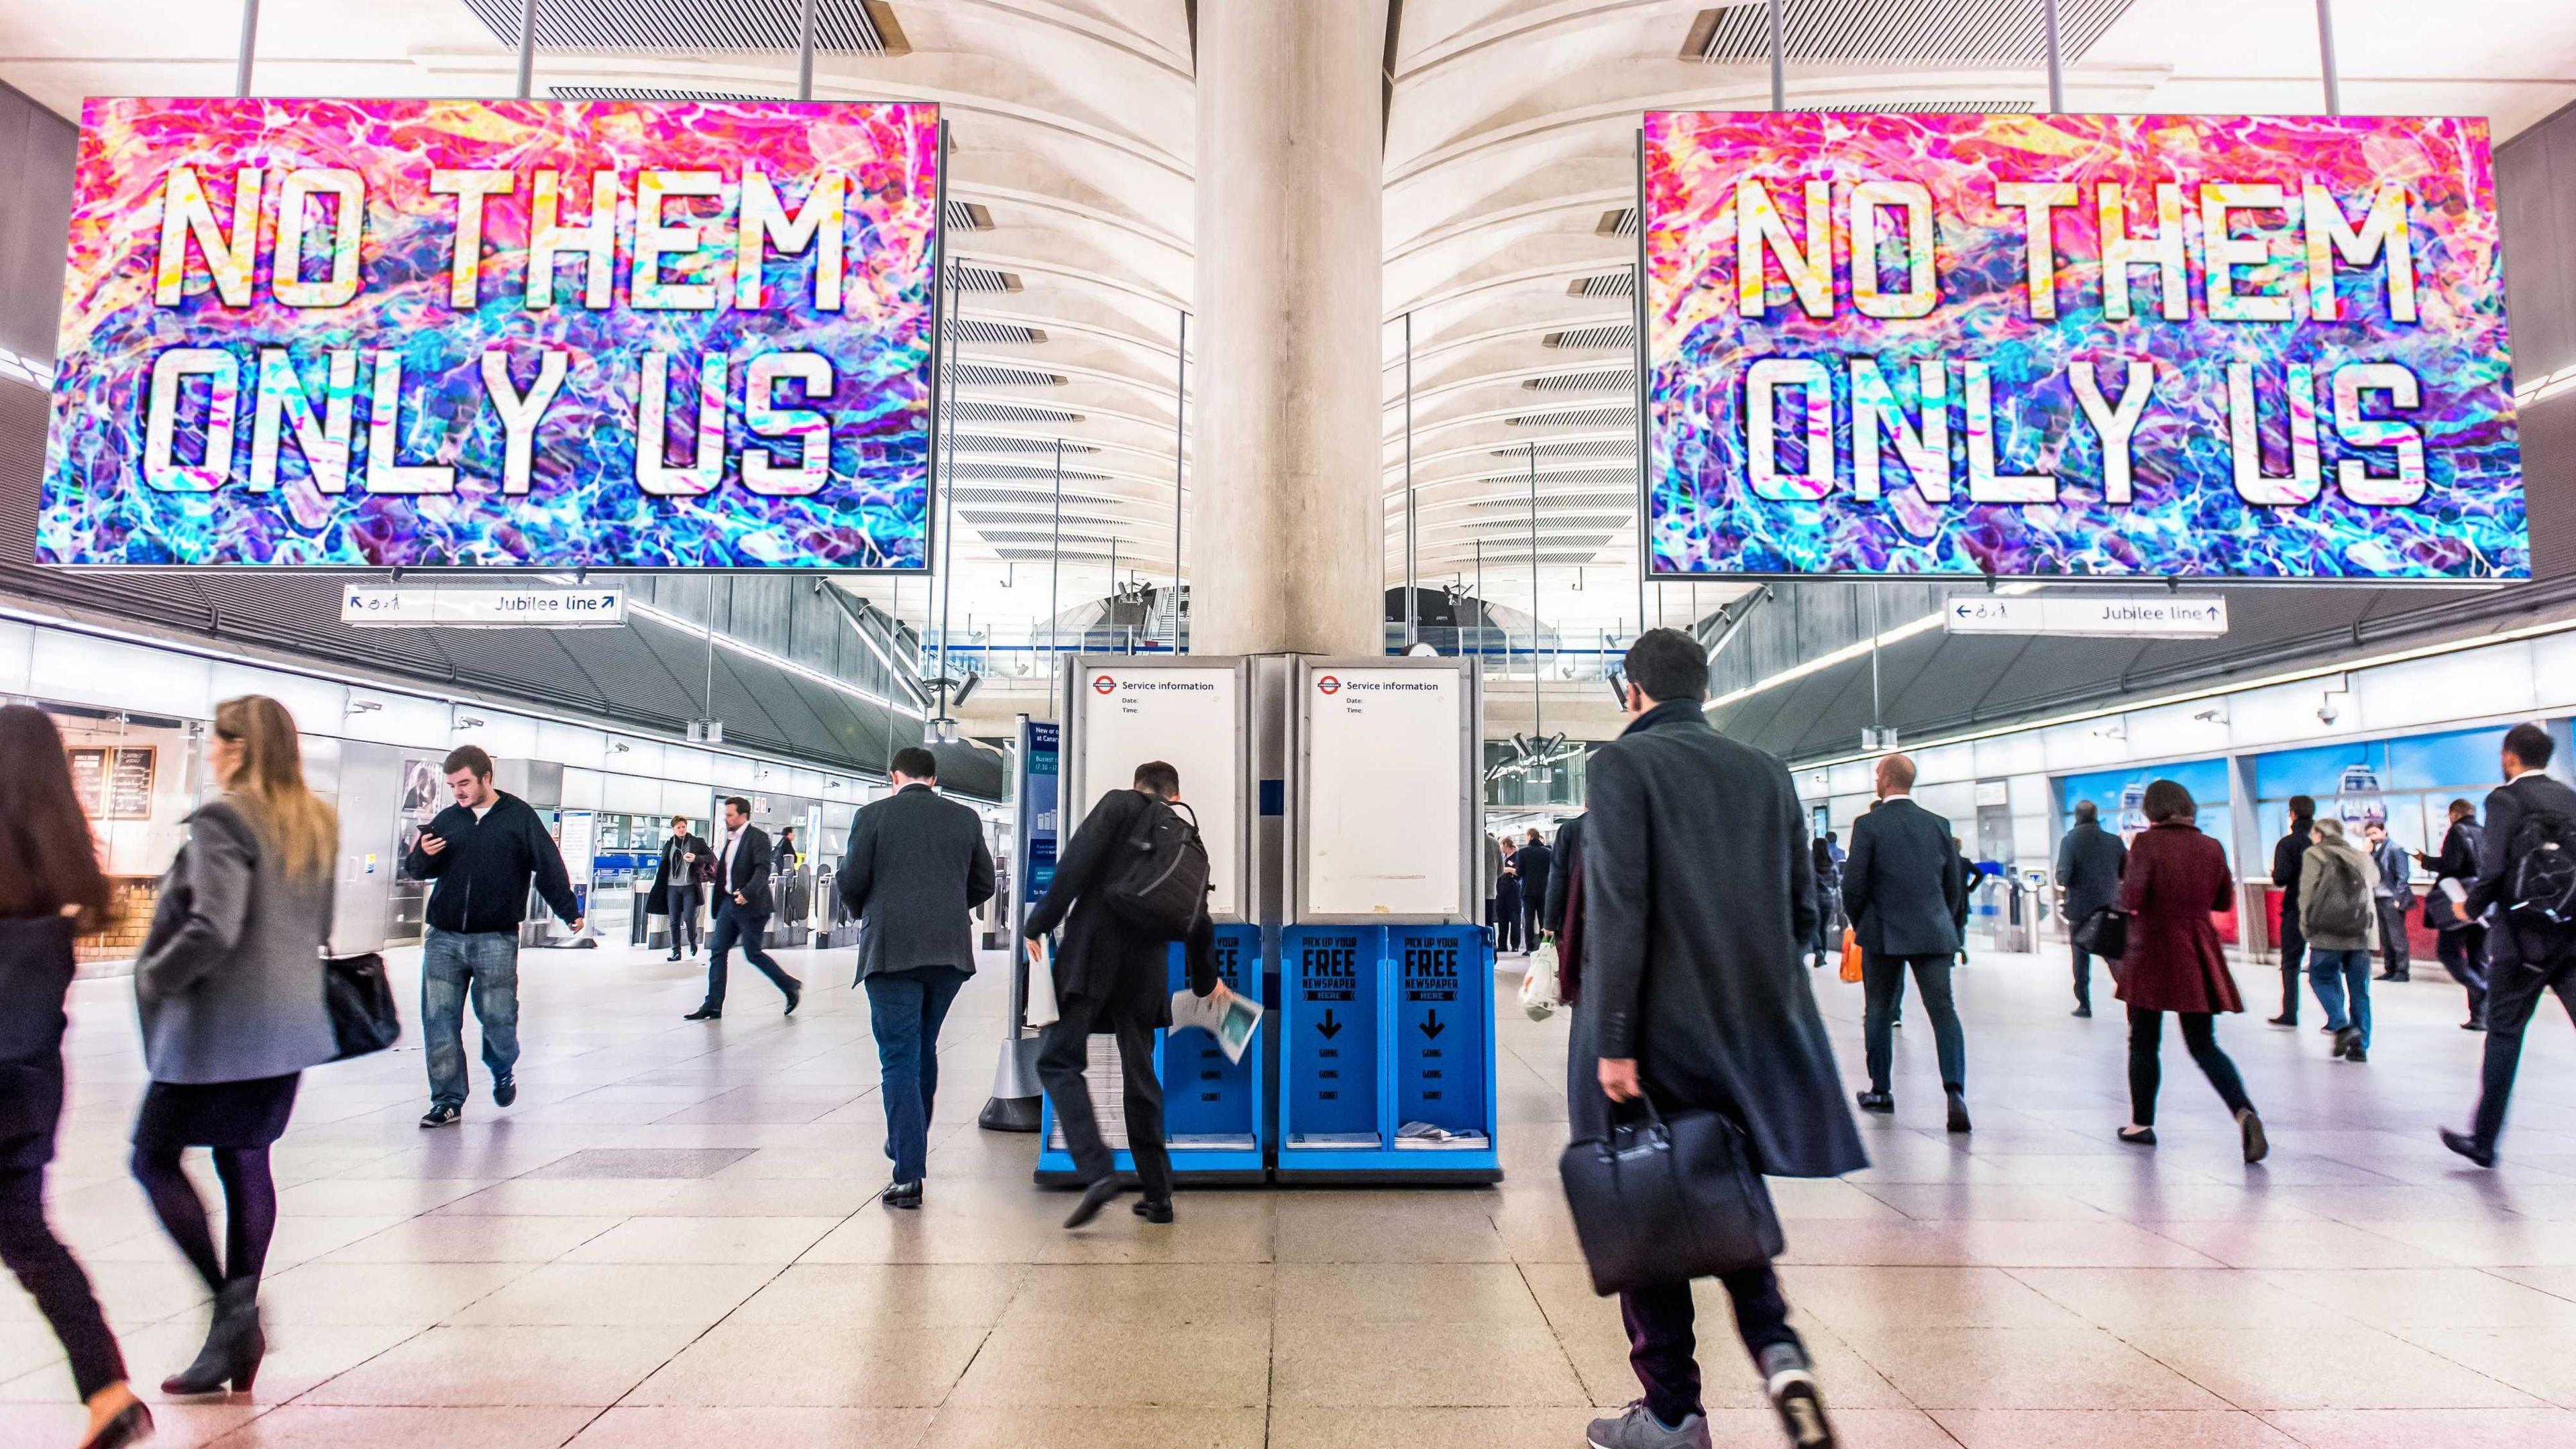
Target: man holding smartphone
<point>480,854</point>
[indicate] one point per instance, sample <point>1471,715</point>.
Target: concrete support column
<point>1288,525</point>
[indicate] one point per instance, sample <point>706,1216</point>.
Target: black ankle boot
<point>234,1345</point>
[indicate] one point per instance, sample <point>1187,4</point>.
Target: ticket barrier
<point>1215,1112</point>
<point>1386,1043</point>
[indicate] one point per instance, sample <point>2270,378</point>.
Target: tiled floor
<point>670,1241</point>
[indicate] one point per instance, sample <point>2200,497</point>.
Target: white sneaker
<point>1638,1428</point>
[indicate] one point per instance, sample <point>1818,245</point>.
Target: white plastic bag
<point>1041,1001</point>
<point>1539,988</point>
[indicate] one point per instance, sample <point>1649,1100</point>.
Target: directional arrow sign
<point>1329,1027</point>
<point>1432,1027</point>
<point>2099,617</point>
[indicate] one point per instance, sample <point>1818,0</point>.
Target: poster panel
<point>2245,347</point>
<point>1386,791</point>
<point>451,333</point>
<point>1189,716</point>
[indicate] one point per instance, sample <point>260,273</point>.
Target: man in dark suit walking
<point>1533,862</point>
<point>2527,957</point>
<point>743,905</point>
<point>2288,853</point>
<point>916,868</point>
<point>2090,861</point>
<point>1903,886</point>
<point>1112,977</point>
<point>1698,895</point>
<point>676,889</point>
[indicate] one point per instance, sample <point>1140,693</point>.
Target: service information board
<point>371,333</point>
<point>2266,347</point>
<point>1191,718</point>
<point>1385,793</point>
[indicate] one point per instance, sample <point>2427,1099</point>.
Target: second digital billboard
<point>2077,346</point>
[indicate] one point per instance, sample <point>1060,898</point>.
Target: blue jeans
<point>2333,974</point>
<point>905,1009</point>
<point>452,964</point>
<point>734,925</point>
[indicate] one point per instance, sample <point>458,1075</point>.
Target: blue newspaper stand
<point>1381,1028</point>
<point>1215,1112</point>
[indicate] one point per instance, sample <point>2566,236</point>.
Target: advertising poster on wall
<point>455,333</point>
<point>2266,347</point>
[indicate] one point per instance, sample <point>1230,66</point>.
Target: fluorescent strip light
<point>774,661</point>
<point>1852,651</point>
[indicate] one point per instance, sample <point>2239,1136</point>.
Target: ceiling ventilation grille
<point>1585,448</point>
<point>1995,32</point>
<point>1040,535</point>
<point>1574,418</point>
<point>990,412</point>
<point>986,519</point>
<point>969,329</point>
<point>1935,108</point>
<point>1027,472</point>
<point>1552,523</point>
<point>845,26</point>
<point>1041,555</point>
<point>968,277</point>
<point>976,374</point>
<point>646,93</point>
<point>968,216</point>
<point>990,443</point>
<point>1581,382</point>
<point>1023,498</point>
<point>1621,336</point>
<point>1607,284</point>
<point>1622,222</point>
<point>1547,501</point>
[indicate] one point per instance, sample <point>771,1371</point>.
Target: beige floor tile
<point>1494,1293</point>
<point>771,1198</point>
<point>963,1427</point>
<point>308,1426</point>
<point>815,1366</point>
<point>2110,1429</point>
<point>525,1366</point>
<point>2399,1298</point>
<point>368,1198</point>
<point>1961,1202</point>
<point>1868,1299</point>
<point>1325,1227</point>
<point>775,1241</point>
<point>418,1294</point>
<point>1857,1428</point>
<point>1343,1428</point>
<point>1062,1364</point>
<point>623,1295</point>
<point>2025,1368</point>
<point>2299,1245</point>
<point>558,1197</point>
<point>2348,1368</point>
<point>298,1358</point>
<point>869,1295</point>
<point>1154,1294</point>
<point>441,1239</point>
<point>2429,1428</point>
<point>1438,1365</point>
<point>2128,1301</point>
<point>177,1426</point>
<point>664,1428</point>
<point>2534,1360</point>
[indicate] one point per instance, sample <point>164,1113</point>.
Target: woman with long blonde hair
<point>230,988</point>
<point>50,888</point>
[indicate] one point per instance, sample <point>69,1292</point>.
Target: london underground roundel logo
<point>1329,685</point>
<point>1103,684</point>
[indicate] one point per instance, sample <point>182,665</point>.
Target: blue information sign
<point>1039,793</point>
<point>1440,1049</point>
<point>1331,1070</point>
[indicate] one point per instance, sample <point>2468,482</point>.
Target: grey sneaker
<point>1792,1389</point>
<point>1639,1429</point>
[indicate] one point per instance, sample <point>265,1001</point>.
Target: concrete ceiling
<point>1510,138</point>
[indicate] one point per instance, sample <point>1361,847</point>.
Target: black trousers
<point>688,928</point>
<point>46,1269</point>
<point>1882,983</point>
<point>2396,955</point>
<point>1064,1049</point>
<point>2146,1071</point>
<point>2514,995</point>
<point>2463,953</point>
<point>2294,965</point>
<point>736,925</point>
<point>1663,1344</point>
<point>1534,920</point>
<point>2083,976</point>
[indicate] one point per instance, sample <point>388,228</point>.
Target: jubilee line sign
<point>2100,618</point>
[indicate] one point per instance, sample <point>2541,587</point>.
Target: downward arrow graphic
<point>1431,1027</point>
<point>1329,1027</point>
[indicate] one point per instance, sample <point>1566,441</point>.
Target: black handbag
<point>1666,1199</point>
<point>361,1002</point>
<point>2105,933</point>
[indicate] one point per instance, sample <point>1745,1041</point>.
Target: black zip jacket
<point>480,881</point>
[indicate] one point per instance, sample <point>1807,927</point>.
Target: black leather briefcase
<point>1666,1199</point>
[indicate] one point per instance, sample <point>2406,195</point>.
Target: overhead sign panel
<point>2097,617</point>
<point>497,333</point>
<point>2267,347</point>
<point>419,605</point>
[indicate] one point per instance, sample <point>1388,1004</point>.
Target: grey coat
<point>229,983</point>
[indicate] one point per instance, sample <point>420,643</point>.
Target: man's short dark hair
<point>739,803</point>
<point>2168,800</point>
<point>679,819</point>
<point>2463,810</point>
<point>1155,777</point>
<point>2087,813</point>
<point>914,762</point>
<point>1666,665</point>
<point>2530,744</point>
<point>2302,808</point>
<point>468,757</point>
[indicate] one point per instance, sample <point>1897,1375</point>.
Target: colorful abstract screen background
<point>2295,365</point>
<point>725,360</point>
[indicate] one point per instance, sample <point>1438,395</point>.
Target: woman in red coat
<point>2176,878</point>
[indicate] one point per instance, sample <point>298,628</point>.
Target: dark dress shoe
<point>133,1426</point>
<point>1095,1197</point>
<point>2249,1131</point>
<point>2467,1146</point>
<point>1152,1211</point>
<point>674,956</point>
<point>904,1195</point>
<point>1880,1102</point>
<point>2143,1137</point>
<point>234,1345</point>
<point>795,996</point>
<point>1959,1112</point>
<point>705,1013</point>
<point>2281,1021</point>
<point>2083,1011</point>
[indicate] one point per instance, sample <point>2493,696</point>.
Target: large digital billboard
<point>2266,347</point>
<point>406,333</point>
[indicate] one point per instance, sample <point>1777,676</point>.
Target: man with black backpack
<point>1133,879</point>
<point>2527,875</point>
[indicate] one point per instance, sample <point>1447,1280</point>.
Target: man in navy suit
<point>1903,887</point>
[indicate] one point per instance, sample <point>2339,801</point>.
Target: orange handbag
<point>1851,954</point>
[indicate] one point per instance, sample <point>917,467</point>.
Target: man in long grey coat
<point>1698,894</point>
